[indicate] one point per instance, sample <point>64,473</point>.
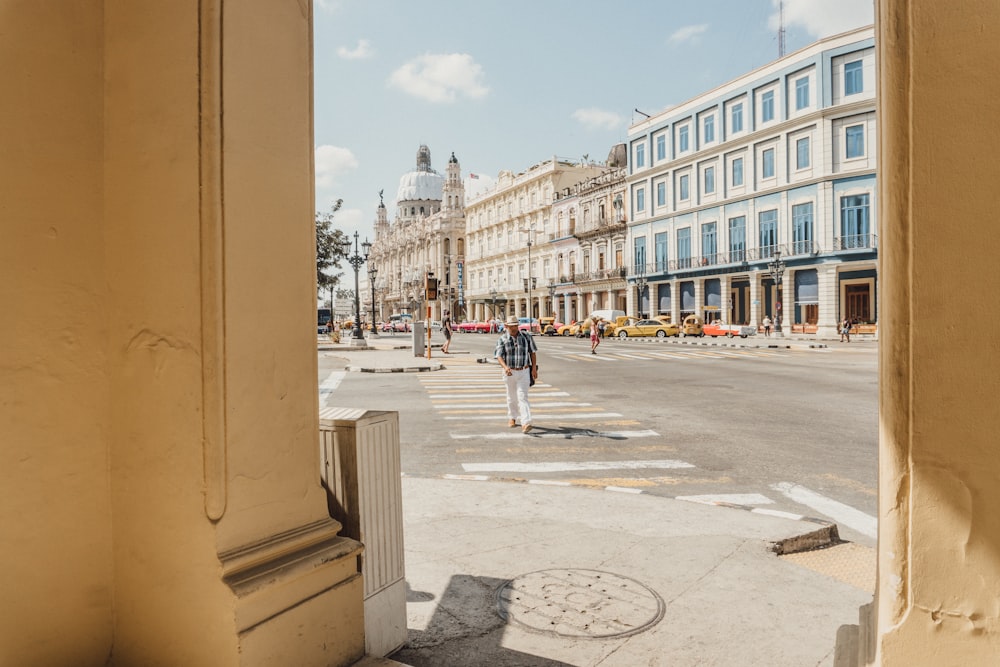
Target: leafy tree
<point>329,250</point>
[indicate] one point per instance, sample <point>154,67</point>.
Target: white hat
<point>512,322</point>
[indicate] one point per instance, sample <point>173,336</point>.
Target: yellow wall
<point>939,541</point>
<point>158,401</point>
<point>55,509</point>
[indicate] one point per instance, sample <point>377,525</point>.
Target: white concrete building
<point>510,262</point>
<point>427,235</point>
<point>777,164</point>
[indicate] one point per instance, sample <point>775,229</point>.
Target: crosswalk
<point>608,354</point>
<point>468,397</point>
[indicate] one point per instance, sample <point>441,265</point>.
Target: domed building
<point>427,235</point>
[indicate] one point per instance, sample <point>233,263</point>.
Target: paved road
<point>787,430</point>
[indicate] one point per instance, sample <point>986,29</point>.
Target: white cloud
<point>597,119</point>
<point>362,50</point>
<point>441,77</point>
<point>331,162</point>
<point>822,18</point>
<point>328,5</point>
<point>689,33</point>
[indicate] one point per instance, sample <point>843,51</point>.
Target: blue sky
<point>507,84</point>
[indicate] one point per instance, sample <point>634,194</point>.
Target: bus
<point>323,316</point>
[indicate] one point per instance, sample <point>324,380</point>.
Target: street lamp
<point>372,273</point>
<point>552,297</point>
<point>356,260</point>
<point>776,267</point>
<point>640,285</point>
<point>530,231</point>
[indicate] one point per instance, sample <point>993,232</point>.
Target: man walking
<point>516,353</point>
<point>595,334</point>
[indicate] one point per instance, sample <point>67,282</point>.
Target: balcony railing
<point>855,242</point>
<point>618,273</point>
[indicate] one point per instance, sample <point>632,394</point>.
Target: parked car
<point>566,329</point>
<point>648,328</point>
<point>692,326</point>
<point>717,328</point>
<point>473,327</point>
<point>620,321</point>
<point>550,326</point>
<point>529,324</point>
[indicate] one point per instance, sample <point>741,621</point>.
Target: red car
<point>473,327</point>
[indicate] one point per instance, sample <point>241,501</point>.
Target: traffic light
<point>432,287</point>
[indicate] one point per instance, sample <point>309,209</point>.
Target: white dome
<point>420,185</point>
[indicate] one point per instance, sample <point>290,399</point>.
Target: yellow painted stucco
<point>158,404</point>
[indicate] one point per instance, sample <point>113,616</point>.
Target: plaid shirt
<point>516,351</point>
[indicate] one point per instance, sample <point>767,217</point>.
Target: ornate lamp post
<point>776,267</point>
<point>640,285</point>
<point>372,273</point>
<point>528,284</point>
<point>552,297</point>
<point>356,260</point>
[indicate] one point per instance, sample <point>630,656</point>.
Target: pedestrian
<point>767,325</point>
<point>516,353</point>
<point>595,334</point>
<point>446,330</point>
<point>845,330</point>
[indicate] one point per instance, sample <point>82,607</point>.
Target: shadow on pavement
<point>464,629</point>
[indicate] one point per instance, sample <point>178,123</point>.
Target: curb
<point>397,369</point>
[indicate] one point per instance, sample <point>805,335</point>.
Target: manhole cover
<point>579,603</point>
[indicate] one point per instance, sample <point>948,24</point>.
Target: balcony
<point>855,242</point>
<point>618,273</point>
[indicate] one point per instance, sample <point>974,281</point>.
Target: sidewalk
<point>543,575</point>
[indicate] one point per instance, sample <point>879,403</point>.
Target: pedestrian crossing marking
<point>557,435</point>
<point>565,466</point>
<point>451,408</point>
<point>552,415</point>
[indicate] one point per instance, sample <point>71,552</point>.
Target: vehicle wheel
<point>659,334</point>
<point>623,335</point>
<point>565,333</point>
<point>729,334</point>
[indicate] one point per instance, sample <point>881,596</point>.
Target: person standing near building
<point>517,355</point>
<point>767,325</point>
<point>845,330</point>
<point>446,330</point>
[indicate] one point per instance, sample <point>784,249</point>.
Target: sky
<point>507,84</point>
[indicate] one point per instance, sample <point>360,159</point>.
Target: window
<point>801,93</point>
<point>661,194</point>
<point>737,117</point>
<point>768,221</point>
<point>640,253</point>
<point>737,171</point>
<point>854,222</point>
<point>640,200</point>
<point>802,228</point>
<point>709,129</point>
<point>661,147</point>
<point>682,139</point>
<point>767,106</point>
<point>660,240</point>
<point>709,244</point>
<point>802,153</point>
<point>738,239</point>
<point>855,135</point>
<point>684,193</point>
<point>684,248</point>
<point>709,180</point>
<point>853,78</point>
<point>767,163</point>
<point>640,155</point>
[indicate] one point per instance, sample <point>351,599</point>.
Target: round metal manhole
<point>579,603</point>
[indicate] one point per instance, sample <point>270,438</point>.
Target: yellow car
<point>647,328</point>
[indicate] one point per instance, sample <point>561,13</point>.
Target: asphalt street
<point>789,430</point>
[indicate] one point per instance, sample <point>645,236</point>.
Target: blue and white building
<point>778,164</point>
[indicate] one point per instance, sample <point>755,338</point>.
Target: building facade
<point>513,257</point>
<point>588,243</point>
<point>758,198</point>
<point>427,235</point>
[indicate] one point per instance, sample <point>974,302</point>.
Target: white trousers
<point>517,395</point>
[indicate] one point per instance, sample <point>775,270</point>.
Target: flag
<point>473,176</point>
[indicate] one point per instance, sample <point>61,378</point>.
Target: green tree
<point>329,250</point>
